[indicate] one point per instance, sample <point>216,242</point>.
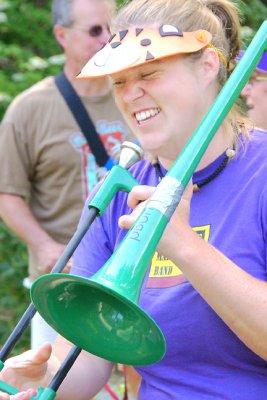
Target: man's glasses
<point>94,31</point>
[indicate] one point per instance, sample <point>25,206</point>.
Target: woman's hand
<point>47,254</point>
<point>28,370</point>
<point>138,198</point>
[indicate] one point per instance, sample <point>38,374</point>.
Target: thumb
<point>23,395</point>
<point>33,363</point>
<point>41,355</point>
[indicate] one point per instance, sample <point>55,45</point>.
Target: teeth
<point>144,115</point>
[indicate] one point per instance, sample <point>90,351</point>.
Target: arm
<point>36,368</point>
<point>18,217</point>
<point>90,373</point>
<point>238,298</point>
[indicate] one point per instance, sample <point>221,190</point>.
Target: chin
<point>149,146</point>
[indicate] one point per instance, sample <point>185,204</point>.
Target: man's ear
<point>60,35</point>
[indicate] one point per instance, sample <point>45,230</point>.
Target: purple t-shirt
<point>204,359</point>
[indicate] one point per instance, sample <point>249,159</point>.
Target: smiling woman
<point>167,62</point>
<point>206,283</point>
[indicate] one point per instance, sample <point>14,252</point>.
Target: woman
<point>206,286</point>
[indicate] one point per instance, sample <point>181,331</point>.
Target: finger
<point>4,396</point>
<point>126,221</point>
<point>68,266</point>
<point>45,269</point>
<point>66,269</point>
<point>42,354</point>
<point>70,262</point>
<point>139,193</point>
<point>23,395</point>
<point>33,357</point>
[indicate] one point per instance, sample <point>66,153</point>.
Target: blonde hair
<point>219,17</point>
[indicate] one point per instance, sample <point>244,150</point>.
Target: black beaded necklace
<point>227,155</point>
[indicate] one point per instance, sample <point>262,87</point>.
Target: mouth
<point>146,115</point>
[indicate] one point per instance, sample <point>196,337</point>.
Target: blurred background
<point>28,53</point>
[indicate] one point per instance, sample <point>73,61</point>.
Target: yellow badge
<point>164,273</point>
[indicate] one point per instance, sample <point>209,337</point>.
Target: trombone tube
<point>191,155</point>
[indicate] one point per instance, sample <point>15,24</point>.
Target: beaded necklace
<point>227,155</point>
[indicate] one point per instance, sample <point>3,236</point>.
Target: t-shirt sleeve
<point>15,161</point>
<point>94,249</point>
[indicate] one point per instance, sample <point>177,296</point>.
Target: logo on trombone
<point>164,273</point>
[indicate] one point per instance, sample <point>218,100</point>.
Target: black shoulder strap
<point>83,119</point>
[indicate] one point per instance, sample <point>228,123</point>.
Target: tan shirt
<point>46,159</point>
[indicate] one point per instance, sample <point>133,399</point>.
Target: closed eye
<point>148,75</point>
<point>118,83</point>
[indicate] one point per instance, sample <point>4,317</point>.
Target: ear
<point>210,64</point>
<point>60,35</point>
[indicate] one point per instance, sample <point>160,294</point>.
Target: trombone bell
<point>98,319</point>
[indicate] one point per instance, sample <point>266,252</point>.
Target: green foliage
<point>13,297</point>
<point>254,13</point>
<point>28,52</point>
<point>27,47</point>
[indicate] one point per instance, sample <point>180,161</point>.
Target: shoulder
<point>254,149</point>
<point>30,99</point>
<point>257,139</point>
<point>41,88</point>
<point>251,162</point>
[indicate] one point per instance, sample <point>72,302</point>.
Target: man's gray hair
<point>62,12</point>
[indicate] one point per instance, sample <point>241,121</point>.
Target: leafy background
<point>28,52</point>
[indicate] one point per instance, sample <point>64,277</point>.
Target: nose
<point>246,91</point>
<point>104,37</point>
<point>132,91</point>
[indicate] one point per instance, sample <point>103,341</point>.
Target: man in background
<point>47,167</point>
<point>255,93</point>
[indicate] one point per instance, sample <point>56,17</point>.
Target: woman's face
<point>163,102</point>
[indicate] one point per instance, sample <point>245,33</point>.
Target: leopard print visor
<point>136,46</point>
